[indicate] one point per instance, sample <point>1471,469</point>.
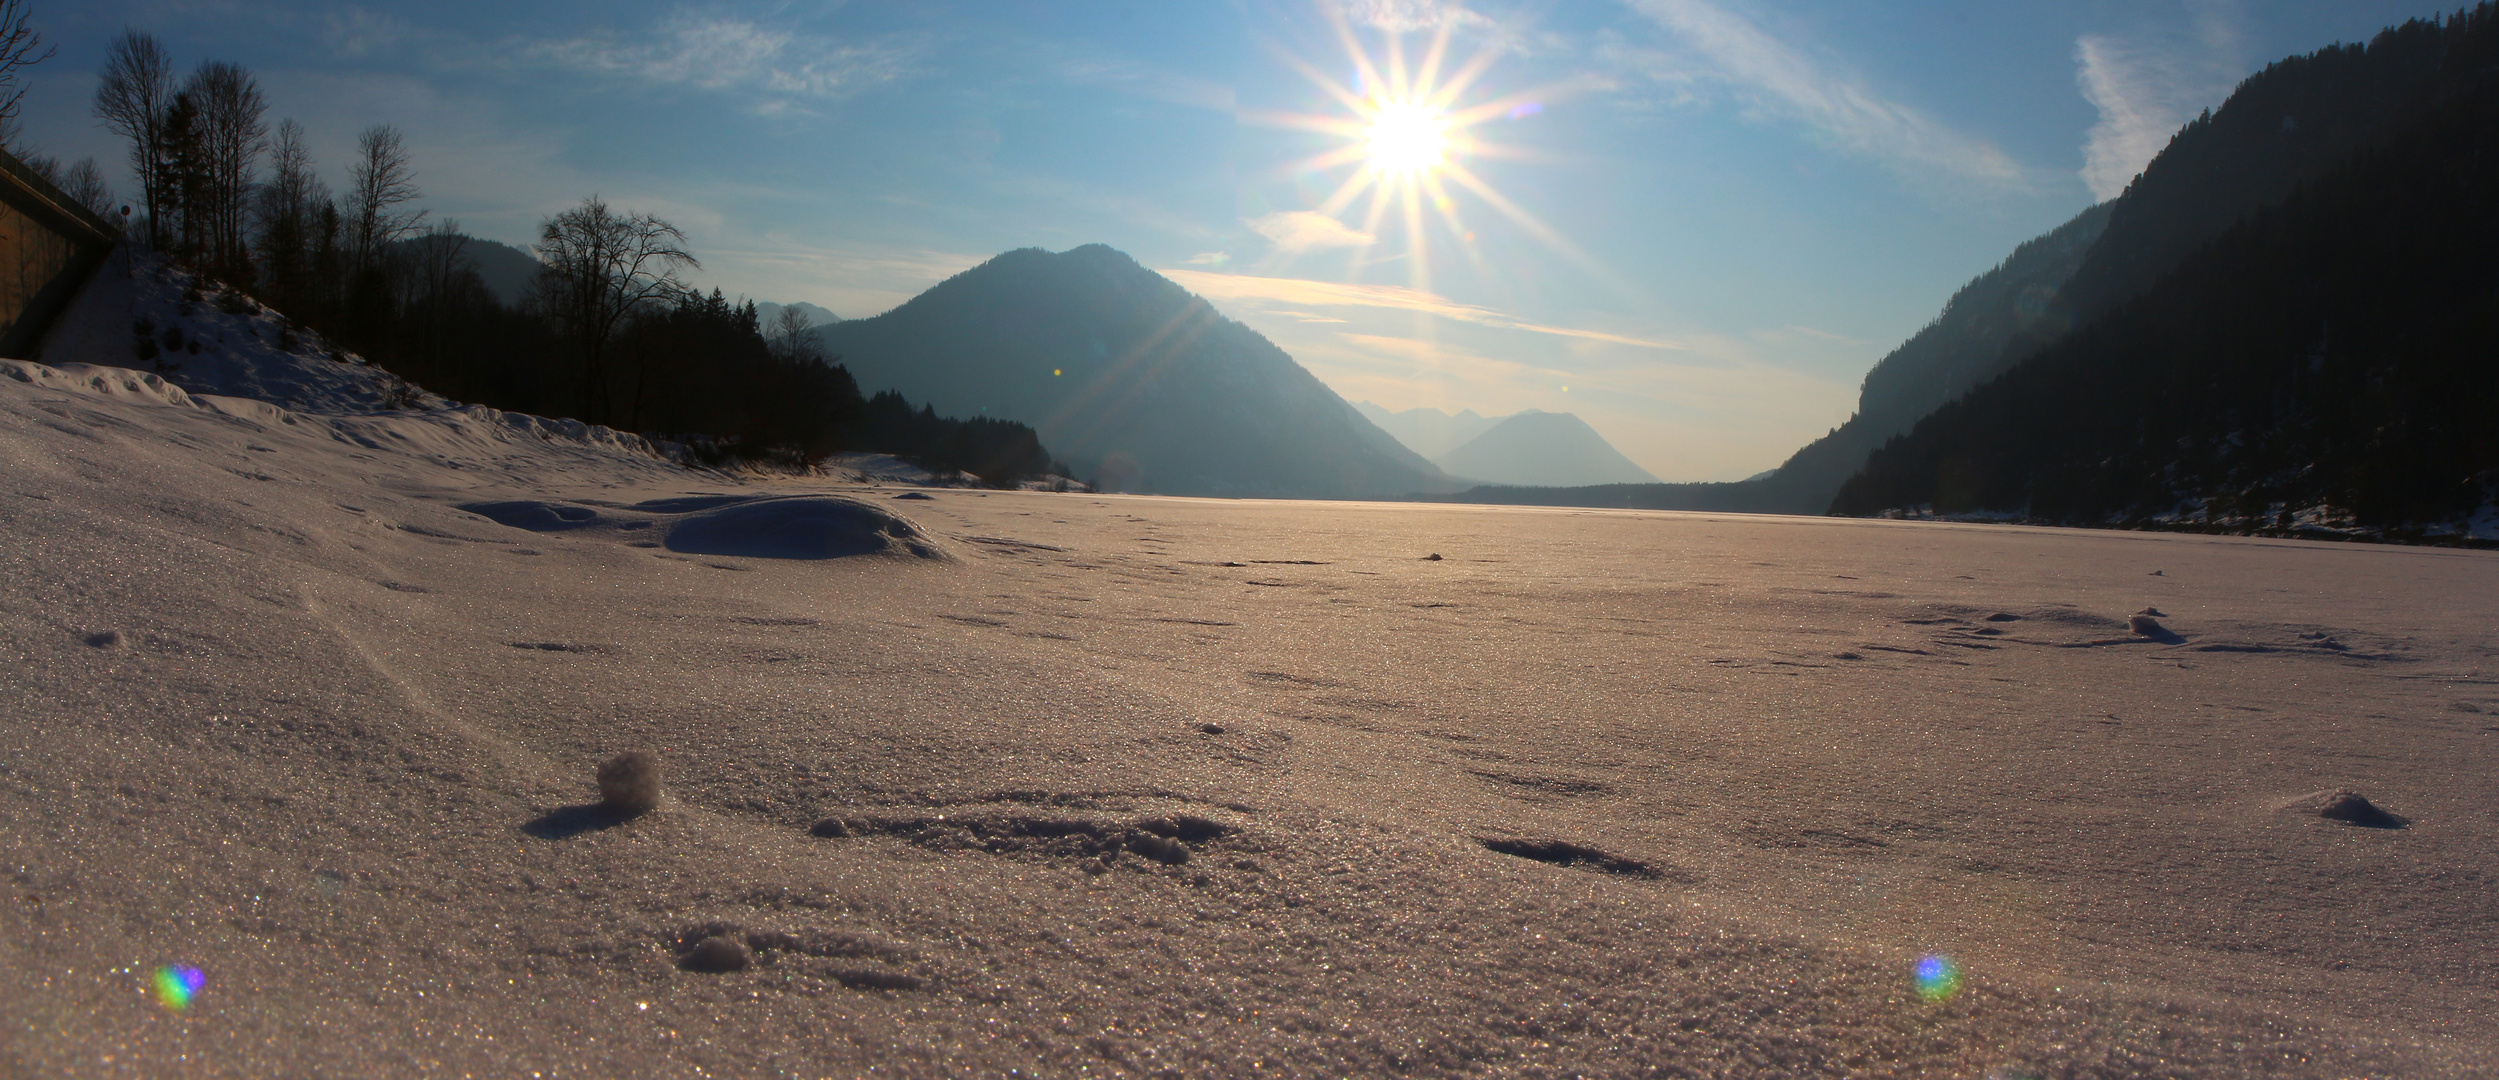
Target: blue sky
<point>1695,223</point>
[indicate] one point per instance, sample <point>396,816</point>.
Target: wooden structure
<point>48,246</point>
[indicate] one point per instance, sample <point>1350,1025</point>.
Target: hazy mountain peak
<point>1129,377</point>
<point>767,311</point>
<point>1534,448</point>
<point>1427,431</point>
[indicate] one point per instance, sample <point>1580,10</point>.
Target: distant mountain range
<point>1528,449</point>
<point>1130,379</point>
<point>508,272</point>
<point>2070,297</point>
<point>768,311</point>
<point>1427,431</point>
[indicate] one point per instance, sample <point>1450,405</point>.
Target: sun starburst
<point>1408,125</point>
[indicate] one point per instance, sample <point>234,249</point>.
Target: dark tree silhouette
<point>603,268</point>
<point>232,138</point>
<point>131,98</point>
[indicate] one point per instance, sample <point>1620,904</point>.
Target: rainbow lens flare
<point>1938,978</point>
<point>176,985</point>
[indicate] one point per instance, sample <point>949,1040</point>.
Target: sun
<point>1408,138</point>
<point>1411,125</point>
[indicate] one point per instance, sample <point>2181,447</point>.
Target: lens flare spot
<point>176,985</point>
<point>1938,978</point>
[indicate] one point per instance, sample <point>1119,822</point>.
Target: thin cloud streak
<point>2145,91</point>
<point>1409,16</point>
<point>1297,231</point>
<point>1306,293</point>
<point>722,54</point>
<point>1783,81</point>
<point>1145,80</point>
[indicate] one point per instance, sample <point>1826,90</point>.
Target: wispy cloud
<point>1301,292</point>
<point>2146,88</point>
<point>1297,231</point>
<point>1143,80</point>
<point>1779,80</point>
<point>1408,16</point>
<point>780,67</point>
<point>360,31</point>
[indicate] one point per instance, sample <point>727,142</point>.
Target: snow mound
<point>799,527</point>
<point>142,312</point>
<point>146,330</point>
<point>110,382</point>
<point>755,527</point>
<point>859,467</point>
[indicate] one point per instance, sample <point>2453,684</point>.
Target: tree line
<point>610,332</point>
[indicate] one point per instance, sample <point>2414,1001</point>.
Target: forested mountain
<point>1984,328</point>
<point>507,272</point>
<point>813,313</point>
<point>1129,378</point>
<point>2333,360</point>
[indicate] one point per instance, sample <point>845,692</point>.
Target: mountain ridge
<point>1533,448</point>
<point>1130,378</point>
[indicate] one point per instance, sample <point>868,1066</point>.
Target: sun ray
<point>1350,190</point>
<point>1536,227</point>
<point>1448,90</point>
<point>1449,218</point>
<point>1438,51</point>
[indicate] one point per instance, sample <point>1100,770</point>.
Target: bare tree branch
<point>794,336</point>
<point>20,48</point>
<point>131,98</point>
<point>601,269</point>
<point>232,137</point>
<point>381,181</point>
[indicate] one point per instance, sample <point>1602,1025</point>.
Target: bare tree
<point>288,203</point>
<point>131,99</point>
<point>84,183</point>
<point>232,137</point>
<point>794,337</point>
<point>381,182</point>
<point>440,256</point>
<point>601,268</point>
<point>20,48</point>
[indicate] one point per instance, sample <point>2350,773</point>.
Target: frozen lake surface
<point>1133,786</point>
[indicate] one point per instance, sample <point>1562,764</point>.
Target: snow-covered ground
<point>308,699</point>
